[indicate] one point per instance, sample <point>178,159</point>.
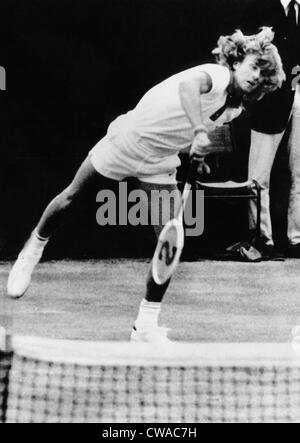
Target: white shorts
<point>118,163</point>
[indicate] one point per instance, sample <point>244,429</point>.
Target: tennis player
<point>145,143</point>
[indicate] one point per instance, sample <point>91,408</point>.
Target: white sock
<point>148,315</point>
<point>36,243</point>
<point>3,338</point>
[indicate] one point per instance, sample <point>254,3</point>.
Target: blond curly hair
<point>236,47</point>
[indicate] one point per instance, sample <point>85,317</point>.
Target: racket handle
<point>192,172</point>
<point>190,180</point>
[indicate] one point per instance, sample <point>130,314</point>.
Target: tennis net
<point>44,381</point>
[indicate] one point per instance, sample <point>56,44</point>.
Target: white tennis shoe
<point>20,275</point>
<point>156,335</point>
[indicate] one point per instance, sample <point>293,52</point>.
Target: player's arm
<point>190,95</point>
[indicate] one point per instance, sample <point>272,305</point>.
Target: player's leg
<point>261,158</point>
<point>60,208</point>
<point>294,203</point>
<point>53,217</point>
<point>146,325</point>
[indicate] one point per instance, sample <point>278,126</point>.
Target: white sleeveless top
<point>159,123</point>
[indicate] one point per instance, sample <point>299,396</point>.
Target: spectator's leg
<point>294,204</point>
<point>261,158</point>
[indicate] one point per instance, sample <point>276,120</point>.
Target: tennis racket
<point>171,240</point>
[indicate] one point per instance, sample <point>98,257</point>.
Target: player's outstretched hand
<point>200,146</point>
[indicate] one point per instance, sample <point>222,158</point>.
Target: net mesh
<point>42,390</point>
<point>5,366</point>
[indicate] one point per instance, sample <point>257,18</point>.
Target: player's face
<point>247,75</point>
